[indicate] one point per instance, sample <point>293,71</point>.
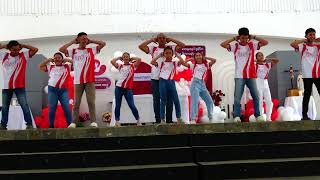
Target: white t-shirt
<point>14,69</point>
<point>126,76</point>
<point>83,63</point>
<point>168,69</point>
<point>309,62</point>
<point>263,70</point>
<point>199,70</point>
<point>244,59</point>
<point>154,51</point>
<point>58,75</point>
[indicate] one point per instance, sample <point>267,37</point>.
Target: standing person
<point>310,66</point>
<point>166,83</point>
<point>198,87</point>
<point>263,67</point>
<point>125,84</point>
<point>161,42</point>
<point>245,74</point>
<point>14,65</point>
<point>58,69</point>
<point>83,61</point>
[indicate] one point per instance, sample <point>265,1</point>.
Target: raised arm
<point>114,62</point>
<point>144,46</point>
<point>181,61</point>
<point>212,60</point>
<point>226,44</point>
<point>295,43</point>
<point>43,65</point>
<point>32,50</point>
<point>136,60</point>
<point>64,48</point>
<point>262,42</point>
<point>100,44</point>
<point>154,60</point>
<point>179,44</point>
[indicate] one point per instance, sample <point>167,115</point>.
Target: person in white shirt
<point>83,61</point>
<point>263,67</point>
<point>200,66</point>
<point>309,49</point>
<point>125,84</point>
<point>161,41</point>
<point>245,73</point>
<point>167,84</point>
<point>14,68</point>
<point>58,69</point>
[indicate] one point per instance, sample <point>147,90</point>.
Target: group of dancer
<point>251,69</point>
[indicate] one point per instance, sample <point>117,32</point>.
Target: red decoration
<point>217,97</point>
<point>142,87</point>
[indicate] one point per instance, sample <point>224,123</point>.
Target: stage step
<point>185,171</point>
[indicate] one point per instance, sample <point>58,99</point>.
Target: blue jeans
<point>119,92</point>
<point>156,103</point>
<point>238,91</point>
<point>22,99</point>
<point>168,88</point>
<point>198,88</point>
<point>55,94</point>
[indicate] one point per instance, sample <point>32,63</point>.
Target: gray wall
<point>279,81</point>
<point>36,80</point>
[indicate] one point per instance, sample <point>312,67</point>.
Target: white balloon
<point>252,118</point>
<point>216,110</point>
<point>45,89</point>
<point>222,115</point>
<point>287,117</point>
<point>183,57</point>
<point>204,119</point>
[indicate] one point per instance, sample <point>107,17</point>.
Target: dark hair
<point>310,30</point>
<point>168,48</point>
<point>81,34</point>
<point>194,55</point>
<point>243,31</point>
<point>12,43</point>
<point>126,53</point>
<point>58,53</point>
<point>258,53</point>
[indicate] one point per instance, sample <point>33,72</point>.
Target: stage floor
<point>152,130</point>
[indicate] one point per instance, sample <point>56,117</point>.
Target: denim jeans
<point>22,99</point>
<point>55,94</point>
<point>156,103</point>
<point>119,92</point>
<point>168,88</point>
<point>239,87</point>
<point>198,88</point>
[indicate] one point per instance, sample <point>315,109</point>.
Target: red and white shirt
<point>14,69</point>
<point>244,59</point>
<point>310,60</point>
<point>200,71</point>
<point>83,63</point>
<point>126,76</point>
<point>263,70</point>
<point>58,75</point>
<point>168,69</point>
<point>154,51</point>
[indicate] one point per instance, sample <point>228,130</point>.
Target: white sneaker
<point>94,124</point>
<point>260,119</point>
<point>139,123</point>
<point>237,120</point>
<point>163,121</point>
<point>72,125</point>
<point>117,124</point>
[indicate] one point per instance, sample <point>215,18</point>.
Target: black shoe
<point>29,127</point>
<point>3,127</point>
<point>305,118</point>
